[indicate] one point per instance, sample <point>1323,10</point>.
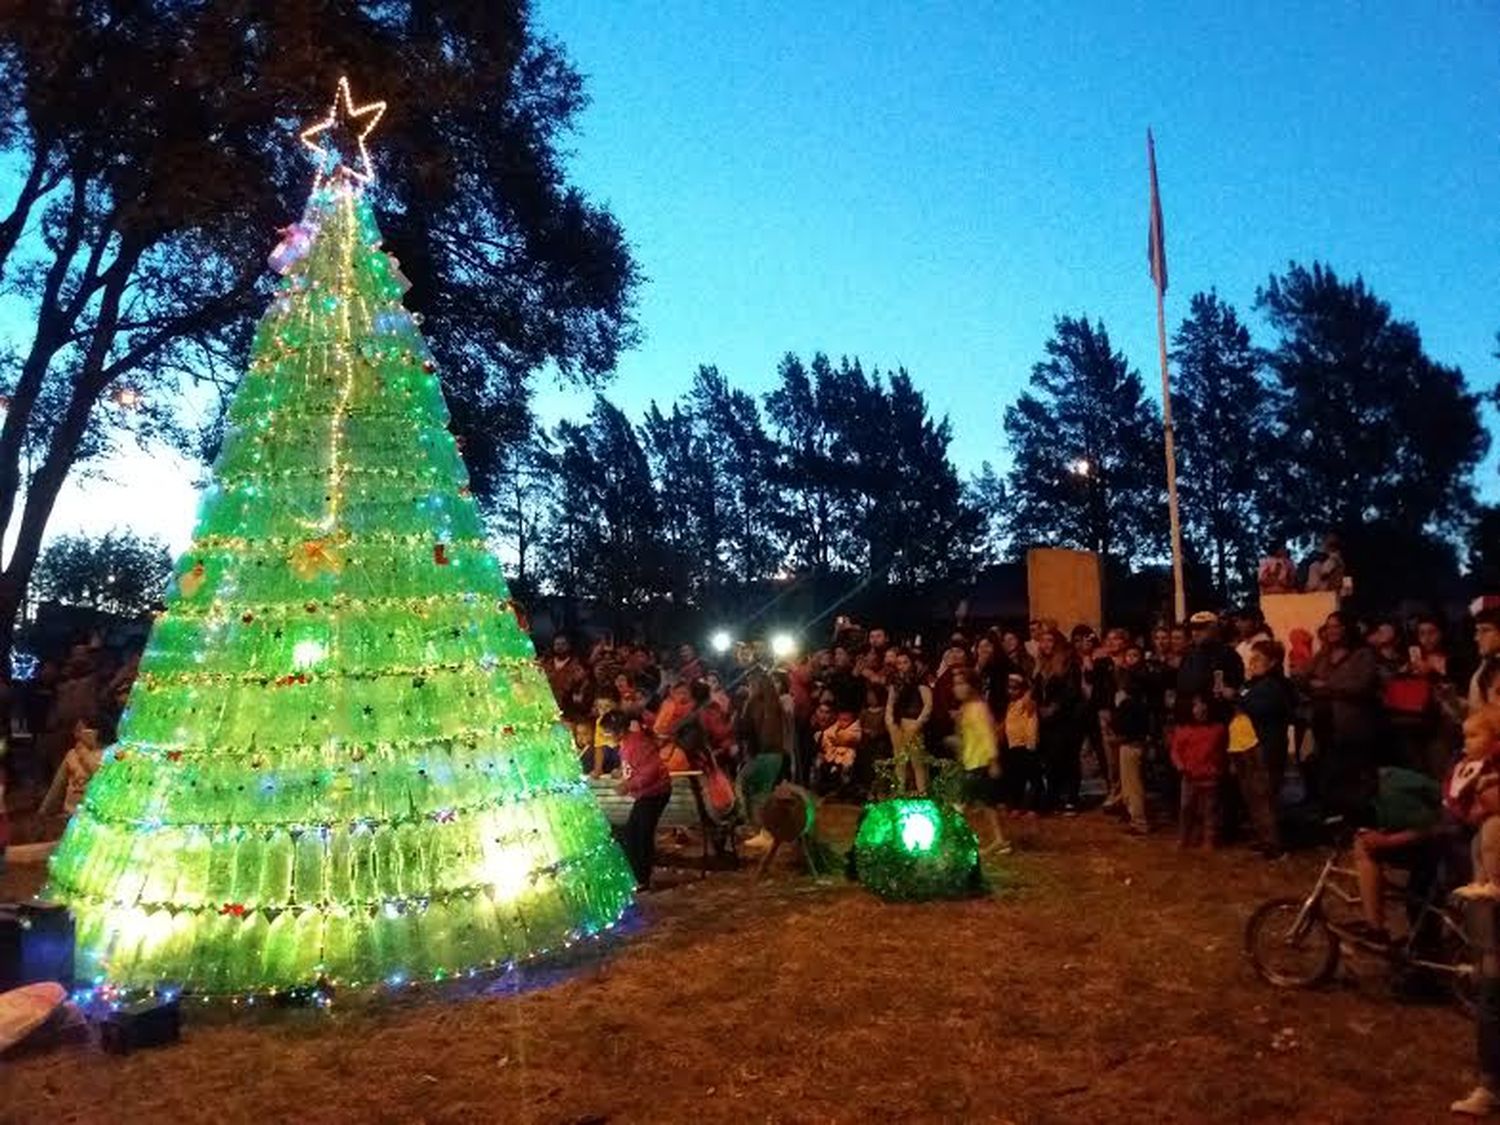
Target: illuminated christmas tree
<point>340,761</point>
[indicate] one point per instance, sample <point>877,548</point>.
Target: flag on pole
<point>1156,247</point>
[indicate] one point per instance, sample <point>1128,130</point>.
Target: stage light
<point>721,642</point>
<point>783,645</point>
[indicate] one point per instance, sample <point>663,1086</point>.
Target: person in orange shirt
<point>674,709</point>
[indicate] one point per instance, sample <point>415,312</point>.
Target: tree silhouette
<point>1087,467</point>
<point>987,496</point>
<point>1227,467</point>
<point>690,491</point>
<point>1484,548</point>
<point>1373,431</point>
<point>523,496</point>
<point>806,409</point>
<point>752,506</point>
<point>605,536</point>
<point>911,518</point>
<point>117,572</point>
<point>152,155</point>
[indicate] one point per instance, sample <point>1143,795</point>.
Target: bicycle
<point>1298,943</point>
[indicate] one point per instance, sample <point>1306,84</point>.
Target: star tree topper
<point>339,139</point>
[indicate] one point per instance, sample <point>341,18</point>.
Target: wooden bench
<point>686,808</point>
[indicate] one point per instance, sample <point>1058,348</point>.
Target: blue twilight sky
<point>929,184</point>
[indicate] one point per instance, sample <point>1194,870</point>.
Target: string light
<point>339,764</point>
<point>374,111</point>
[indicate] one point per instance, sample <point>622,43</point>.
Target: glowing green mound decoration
<point>914,848</point>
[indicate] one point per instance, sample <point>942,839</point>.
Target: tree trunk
<point>53,325</point>
<point>42,490</point>
<point>32,189</point>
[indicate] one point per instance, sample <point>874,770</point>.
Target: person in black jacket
<point>1209,668</point>
<point>1258,743</point>
<point>1058,691</point>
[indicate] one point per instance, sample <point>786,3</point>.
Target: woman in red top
<point>644,776</point>
<point>1200,750</point>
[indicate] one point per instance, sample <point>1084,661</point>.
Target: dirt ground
<point>1102,981</point>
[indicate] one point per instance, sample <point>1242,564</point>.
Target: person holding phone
<point>1210,669</point>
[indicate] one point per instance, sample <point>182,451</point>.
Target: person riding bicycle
<point>1410,833</point>
<point>1423,828</point>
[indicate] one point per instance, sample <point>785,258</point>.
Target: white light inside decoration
<point>721,642</point>
<point>783,645</point>
<point>917,831</point>
<point>1082,467</point>
<point>307,654</point>
<point>508,870</point>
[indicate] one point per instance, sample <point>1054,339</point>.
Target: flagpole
<point>1178,590</point>
<point>1157,252</point>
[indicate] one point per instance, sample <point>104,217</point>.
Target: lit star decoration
<point>333,161</point>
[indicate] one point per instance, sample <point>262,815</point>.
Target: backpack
<point>718,790</point>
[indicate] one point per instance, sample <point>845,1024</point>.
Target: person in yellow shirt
<point>603,756</point>
<point>978,752</point>
<point>1020,764</point>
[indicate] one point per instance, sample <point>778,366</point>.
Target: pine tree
<point>689,494</point>
<point>753,509</point>
<point>340,761</point>
<point>1087,469</point>
<point>1228,465</point>
<point>607,524</point>
<point>807,472</point>
<point>1374,430</point>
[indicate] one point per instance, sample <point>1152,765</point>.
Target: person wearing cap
<point>1210,667</point>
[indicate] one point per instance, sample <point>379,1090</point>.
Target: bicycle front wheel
<point>1288,948</point>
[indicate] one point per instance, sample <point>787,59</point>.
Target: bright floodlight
<point>783,645</point>
<point>721,642</point>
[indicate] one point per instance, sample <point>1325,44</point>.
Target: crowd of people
<point>58,721</point>
<point>1204,720</point>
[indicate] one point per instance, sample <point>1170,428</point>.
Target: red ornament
<point>428,366</point>
<point>174,755</point>
<point>507,729</point>
<point>440,554</point>
<point>311,607</point>
<point>235,908</point>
